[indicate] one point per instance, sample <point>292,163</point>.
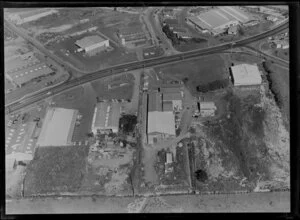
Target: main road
<point>12,107</point>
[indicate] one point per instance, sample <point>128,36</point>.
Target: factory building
<point>92,45</point>
<point>33,15</point>
<point>58,127</point>
<point>217,21</point>
<point>245,75</point>
<point>131,35</point>
<point>161,125</point>
<point>20,76</point>
<point>106,117</point>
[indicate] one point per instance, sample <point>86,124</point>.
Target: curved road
<point>12,107</point>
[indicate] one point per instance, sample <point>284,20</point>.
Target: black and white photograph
<point>159,108</point>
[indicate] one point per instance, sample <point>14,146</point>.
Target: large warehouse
<point>216,21</point>
<point>58,127</point>
<point>160,126</point>
<point>106,117</point>
<point>92,45</point>
<point>246,74</point>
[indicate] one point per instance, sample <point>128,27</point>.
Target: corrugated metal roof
<point>246,74</point>
<point>167,106</point>
<point>161,122</point>
<point>154,101</point>
<point>89,41</point>
<point>57,127</point>
<point>207,105</point>
<point>107,115</point>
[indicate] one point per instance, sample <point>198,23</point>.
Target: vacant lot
<point>280,85</point>
<point>117,90</point>
<point>55,170</point>
<point>190,45</point>
<point>196,72</point>
<point>244,147</point>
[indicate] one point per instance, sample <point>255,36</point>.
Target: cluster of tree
<point>173,37</point>
<point>201,175</point>
<point>127,123</point>
<point>217,84</point>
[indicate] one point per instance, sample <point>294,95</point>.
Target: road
<point>70,68</point>
<point>138,65</point>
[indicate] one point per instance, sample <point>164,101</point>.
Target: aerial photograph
<point>154,109</point>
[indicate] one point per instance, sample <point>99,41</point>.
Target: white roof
<point>58,127</point>
<point>169,158</point>
<point>19,156</point>
<point>207,105</point>
<point>246,74</point>
<point>161,122</point>
<point>89,41</point>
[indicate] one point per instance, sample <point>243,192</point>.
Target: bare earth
<point>253,202</point>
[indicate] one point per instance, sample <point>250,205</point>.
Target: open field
<point>280,85</point>
<point>117,90</point>
<point>56,169</point>
<point>190,45</point>
<point>198,71</point>
<point>245,149</point>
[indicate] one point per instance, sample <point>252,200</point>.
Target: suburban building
<point>106,117</point>
<point>207,108</point>
<point>246,74</point>
<point>58,127</point>
<point>218,20</point>
<point>20,76</point>
<point>92,45</point>
<point>32,15</point>
<point>161,125</point>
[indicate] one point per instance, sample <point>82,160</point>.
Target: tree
<point>201,175</point>
<point>90,134</point>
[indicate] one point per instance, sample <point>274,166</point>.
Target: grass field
<point>56,169</point>
<point>184,47</point>
<point>198,71</point>
<point>122,92</point>
<point>281,87</point>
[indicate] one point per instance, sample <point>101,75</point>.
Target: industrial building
<point>217,21</point>
<point>58,127</point>
<point>28,16</point>
<point>161,125</point>
<point>92,45</point>
<point>18,62</point>
<point>106,117</point>
<point>154,102</point>
<point>245,75</point>
<point>20,76</point>
<point>131,35</point>
<point>207,108</point>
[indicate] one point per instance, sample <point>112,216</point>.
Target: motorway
<point>12,107</point>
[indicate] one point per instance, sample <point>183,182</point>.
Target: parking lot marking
<point>7,141</point>
<point>10,134</point>
<point>18,140</point>
<point>12,130</point>
<point>8,138</point>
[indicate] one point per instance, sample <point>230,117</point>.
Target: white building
<point>246,74</point>
<point>106,117</point>
<point>207,109</point>
<point>58,127</point>
<point>161,125</point>
<point>92,45</point>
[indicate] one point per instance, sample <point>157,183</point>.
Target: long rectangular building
<point>92,44</point>
<point>58,127</point>
<point>106,117</point>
